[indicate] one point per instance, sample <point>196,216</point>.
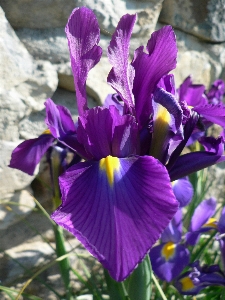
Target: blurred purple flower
<point>192,282</point>
<point>170,257</point>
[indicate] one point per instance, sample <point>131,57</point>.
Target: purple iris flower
<point>192,282</point>
<point>120,199</point>
<point>170,257</point>
<point>113,203</point>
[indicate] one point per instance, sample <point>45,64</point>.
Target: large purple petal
<point>214,113</point>
<point>169,266</point>
<point>58,119</point>
<point>83,34</point>
<point>149,68</point>
<point>117,208</point>
<point>28,154</point>
<point>121,75</point>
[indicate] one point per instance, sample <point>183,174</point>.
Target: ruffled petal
<point>117,208</point>
<point>121,75</point>
<point>149,68</point>
<point>28,154</point>
<point>83,34</point>
<point>169,260</point>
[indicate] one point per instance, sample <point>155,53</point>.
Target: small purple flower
<point>192,282</point>
<point>170,257</point>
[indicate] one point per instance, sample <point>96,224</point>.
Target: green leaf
<point>139,283</point>
<point>116,290</point>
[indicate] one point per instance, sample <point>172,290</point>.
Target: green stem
<point>64,264</point>
<point>158,287</point>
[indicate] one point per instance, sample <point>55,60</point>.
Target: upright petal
<point>149,68</point>
<point>28,154</point>
<point>117,208</point>
<point>83,33</point>
<point>58,119</point>
<point>121,75</point>
<point>203,212</point>
<point>199,221</point>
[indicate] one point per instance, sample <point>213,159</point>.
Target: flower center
<point>168,250</point>
<point>110,164</point>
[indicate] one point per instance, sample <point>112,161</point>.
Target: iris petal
<point>119,222</point>
<point>28,154</point>
<point>149,68</point>
<point>121,75</point>
<point>83,34</point>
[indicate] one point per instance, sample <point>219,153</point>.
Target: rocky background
<point>34,65</point>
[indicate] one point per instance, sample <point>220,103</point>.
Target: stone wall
<point>34,65</point>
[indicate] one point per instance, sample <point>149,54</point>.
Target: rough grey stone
<point>16,64</point>
<point>12,111</point>
<point>54,13</point>
<point>205,62</point>
<point>15,208</point>
<point>40,86</point>
<point>202,18</point>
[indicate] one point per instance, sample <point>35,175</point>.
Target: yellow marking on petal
<point>110,164</point>
<point>168,250</point>
<point>160,129</point>
<point>47,131</point>
<point>211,223</point>
<point>187,284</point>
